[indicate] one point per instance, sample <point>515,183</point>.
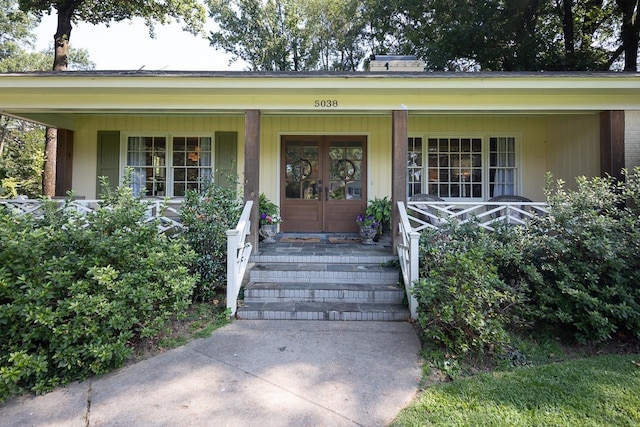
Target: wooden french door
<point>323,183</point>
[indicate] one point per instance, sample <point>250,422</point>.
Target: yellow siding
<point>566,145</point>
<point>85,139</point>
<point>573,147</point>
<point>632,139</point>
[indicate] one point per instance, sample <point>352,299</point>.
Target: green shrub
<point>586,260</point>
<point>208,214</point>
<point>77,290</point>
<point>463,303</point>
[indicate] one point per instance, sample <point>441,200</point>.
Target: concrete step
<point>295,257</point>
<point>323,311</point>
<point>322,272</point>
<point>380,293</point>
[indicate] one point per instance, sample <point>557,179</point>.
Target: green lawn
<point>595,391</point>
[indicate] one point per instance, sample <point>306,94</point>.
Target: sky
<point>127,46</point>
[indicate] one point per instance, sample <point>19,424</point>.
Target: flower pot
<point>268,231</point>
<point>368,233</point>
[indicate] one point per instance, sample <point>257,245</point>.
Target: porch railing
<point>428,214</point>
<point>420,215</point>
<point>238,253</point>
<point>166,212</point>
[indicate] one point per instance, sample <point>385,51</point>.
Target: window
<point>414,165</point>
<point>462,167</point>
<point>191,163</point>
<point>169,165</point>
<point>502,166</point>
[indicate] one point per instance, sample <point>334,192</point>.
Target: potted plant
<point>380,210</point>
<point>368,228</point>
<point>269,219</point>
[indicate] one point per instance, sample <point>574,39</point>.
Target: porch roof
<point>56,98</point>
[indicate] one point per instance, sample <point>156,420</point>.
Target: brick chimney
<point>396,63</point>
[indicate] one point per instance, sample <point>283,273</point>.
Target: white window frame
<point>485,139</point>
<point>169,168</point>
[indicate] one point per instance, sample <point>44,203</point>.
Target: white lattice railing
<point>427,214</point>
<point>238,253</point>
<point>420,215</point>
<point>166,211</point>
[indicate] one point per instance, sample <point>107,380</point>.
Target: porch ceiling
<point>57,98</point>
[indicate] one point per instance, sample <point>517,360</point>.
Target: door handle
<point>326,194</point>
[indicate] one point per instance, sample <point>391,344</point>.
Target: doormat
<point>347,240</point>
<point>299,240</point>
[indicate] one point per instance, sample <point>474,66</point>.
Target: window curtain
<point>136,159</point>
<point>504,182</point>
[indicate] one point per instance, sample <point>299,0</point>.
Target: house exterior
<point>321,144</point>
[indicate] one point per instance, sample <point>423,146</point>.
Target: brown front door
<point>323,183</point>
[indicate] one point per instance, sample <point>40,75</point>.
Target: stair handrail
<point>238,253</point>
<point>408,255</point>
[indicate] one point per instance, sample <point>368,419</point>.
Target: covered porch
<point>418,133</point>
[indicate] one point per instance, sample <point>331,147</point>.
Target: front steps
<point>323,282</point>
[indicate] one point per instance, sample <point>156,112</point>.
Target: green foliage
<point>16,29</point>
<point>463,303</point>
<point>101,12</point>
<point>586,260</point>
<point>208,214</point>
<point>267,207</point>
<point>523,35</point>
<point>380,210</point>
<point>296,35</point>
<point>76,290</point>
<point>21,158</point>
<point>577,268</point>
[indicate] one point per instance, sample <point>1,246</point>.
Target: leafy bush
<point>463,303</point>
<point>586,260</point>
<point>208,214</point>
<point>76,290</point>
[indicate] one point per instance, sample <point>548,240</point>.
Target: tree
<point>22,143</point>
<point>521,35</point>
<point>21,159</point>
<point>296,35</point>
<point>269,35</point>
<point>191,12</point>
<point>16,29</point>
<point>629,32</point>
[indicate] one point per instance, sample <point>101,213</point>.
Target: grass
<point>594,391</point>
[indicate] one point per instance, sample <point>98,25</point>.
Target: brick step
<point>323,292</point>
<point>323,311</point>
<point>322,272</point>
<point>324,258</point>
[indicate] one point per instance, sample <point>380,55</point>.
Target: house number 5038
<point>326,103</point>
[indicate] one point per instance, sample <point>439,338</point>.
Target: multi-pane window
<point>191,163</point>
<point>455,167</point>
<point>168,166</point>
<point>146,156</point>
<point>473,167</point>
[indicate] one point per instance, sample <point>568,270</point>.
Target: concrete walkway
<point>249,373</point>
